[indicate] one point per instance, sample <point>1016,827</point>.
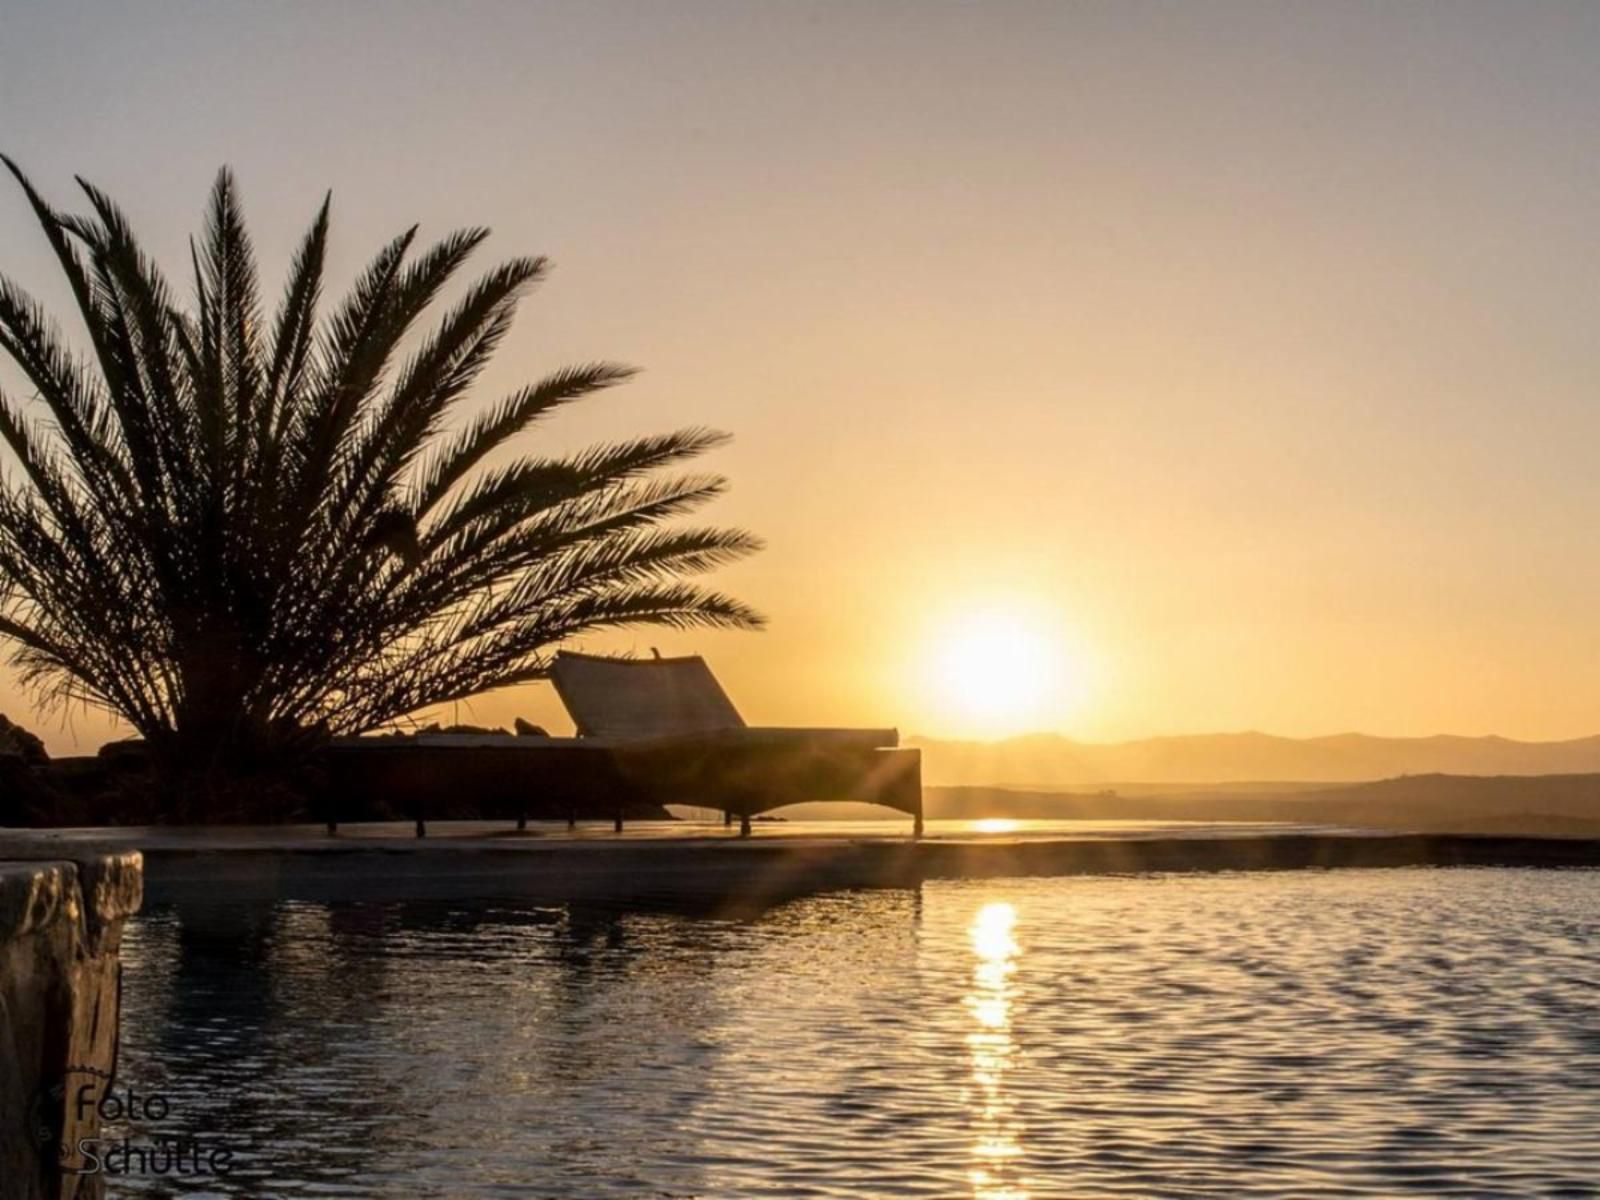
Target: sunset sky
<point>1208,367</point>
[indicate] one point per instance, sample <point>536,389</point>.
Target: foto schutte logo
<point>88,1099</point>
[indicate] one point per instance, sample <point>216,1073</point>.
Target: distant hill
<point>1049,760</point>
<point>1544,805</point>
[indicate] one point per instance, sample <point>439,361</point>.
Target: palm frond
<point>222,529</point>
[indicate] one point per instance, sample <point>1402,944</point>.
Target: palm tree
<point>241,534</point>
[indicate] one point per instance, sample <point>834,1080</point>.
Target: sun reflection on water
<point>996,1132</point>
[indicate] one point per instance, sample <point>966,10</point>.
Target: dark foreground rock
<point>17,742</point>
<point>60,928</point>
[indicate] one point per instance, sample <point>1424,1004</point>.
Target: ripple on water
<point>1348,1033</point>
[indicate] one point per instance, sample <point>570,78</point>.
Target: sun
<point>1004,670</point>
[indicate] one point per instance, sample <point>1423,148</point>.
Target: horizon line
<point>1258,733</point>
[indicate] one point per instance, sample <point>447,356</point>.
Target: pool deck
<point>664,861</point>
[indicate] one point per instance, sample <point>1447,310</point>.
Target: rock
<point>125,750</point>
<point>60,925</point>
<point>17,742</point>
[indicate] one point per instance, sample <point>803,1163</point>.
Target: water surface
<point>1345,1033</point>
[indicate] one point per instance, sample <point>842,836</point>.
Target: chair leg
<point>616,826</point>
<point>422,828</point>
<point>522,824</point>
<point>744,824</point>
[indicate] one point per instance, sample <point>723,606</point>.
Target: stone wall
<point>61,915</point>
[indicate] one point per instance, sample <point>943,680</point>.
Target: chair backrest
<point>629,698</point>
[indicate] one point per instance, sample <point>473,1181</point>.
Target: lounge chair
<point>677,737</point>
